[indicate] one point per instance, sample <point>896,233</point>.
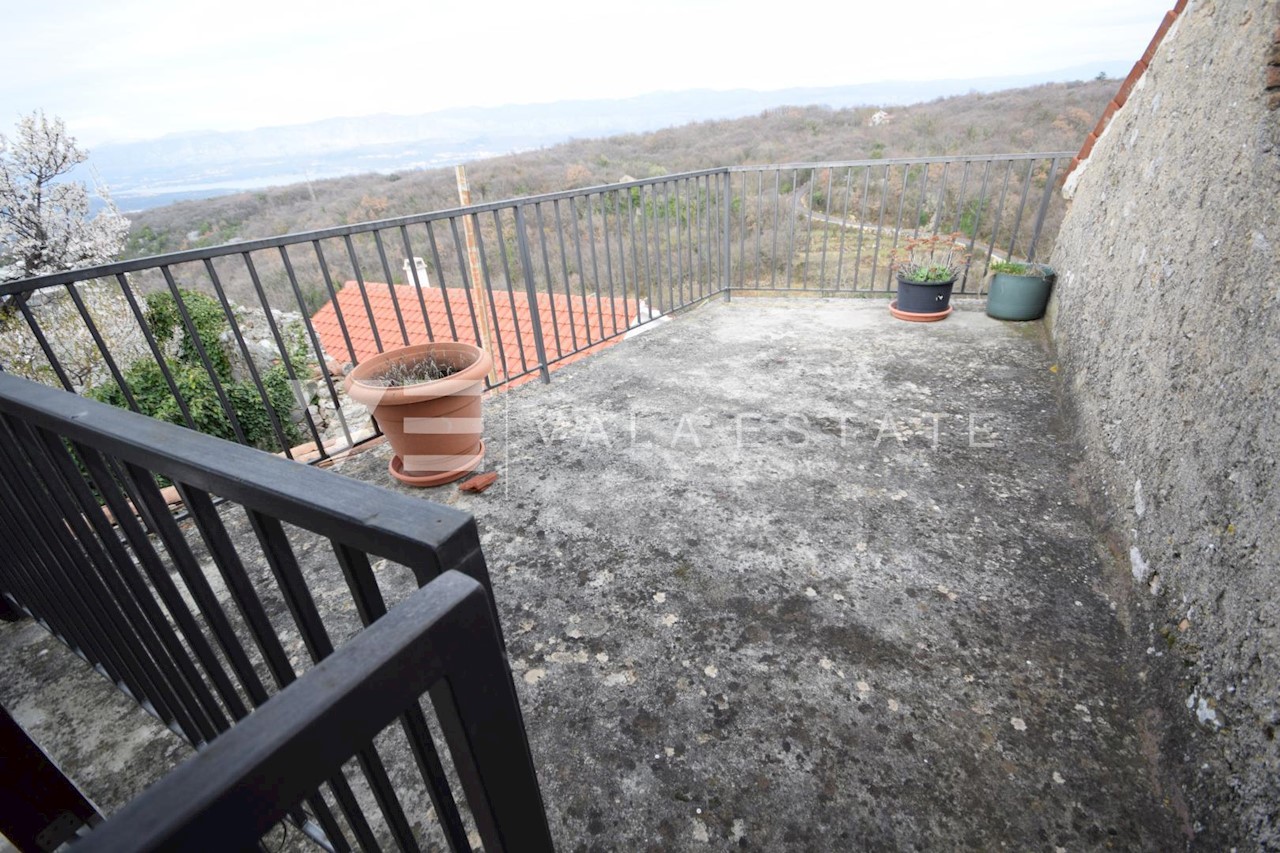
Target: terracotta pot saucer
<point>466,464</point>
<point>932,317</point>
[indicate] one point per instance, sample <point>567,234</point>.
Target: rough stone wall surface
<point>1166,320</point>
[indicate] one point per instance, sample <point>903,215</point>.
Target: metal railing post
<point>726,202</point>
<point>1044,209</point>
<point>526,264</point>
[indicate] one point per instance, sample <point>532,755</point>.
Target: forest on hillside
<point>1051,117</point>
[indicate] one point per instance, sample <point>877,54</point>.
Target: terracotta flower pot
<point>434,427</point>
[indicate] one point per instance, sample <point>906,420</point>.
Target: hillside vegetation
<point>1051,117</point>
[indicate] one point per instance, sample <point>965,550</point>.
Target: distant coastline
<point>147,174</point>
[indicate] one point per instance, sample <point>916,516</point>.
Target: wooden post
<point>479,294</point>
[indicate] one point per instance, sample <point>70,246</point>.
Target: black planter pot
<point>929,297</point>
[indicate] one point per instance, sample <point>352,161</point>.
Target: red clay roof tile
<point>1126,88</point>
<point>568,324</point>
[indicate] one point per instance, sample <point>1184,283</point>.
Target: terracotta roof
<point>580,322</point>
<point>1126,88</point>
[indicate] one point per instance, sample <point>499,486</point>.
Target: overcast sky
<point>137,69</point>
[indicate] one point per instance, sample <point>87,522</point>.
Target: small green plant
<point>935,258</point>
<point>1015,268</point>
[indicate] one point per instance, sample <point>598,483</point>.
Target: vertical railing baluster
<point>623,203</point>
<point>511,296</point>
<point>203,355</point>
<point>844,226</point>
<point>726,213</point>
<point>791,225</point>
<point>288,574</point>
<point>495,328</point>
<point>939,207</point>
<point>364,292</point>
<point>45,348</point>
<point>146,500</point>
<point>564,270</point>
<point>706,256</point>
<point>608,258</point>
<point>777,207</point>
<point>964,183</point>
<point>23,539</point>
<point>826,231</point>
<point>333,300</point>
<point>391,286</point>
<point>922,195</point>
<point>158,575</point>
<point>862,229</point>
<point>759,226</point>
<point>64,606</point>
<point>595,265</point>
<point>742,233</point>
<point>1022,204</point>
<point>919,214</point>
<point>416,282</point>
<point>808,232</point>
<point>675,266</point>
<point>158,642</point>
<point>875,256</point>
<point>998,221</point>
<point>464,272</point>
<point>93,616</point>
<point>526,264</point>
<point>154,346</point>
<point>633,195</point>
<point>574,218</point>
<point>977,221</point>
<point>440,281</point>
<point>73,290</point>
<point>370,606</point>
<point>1044,209</point>
<point>273,417</point>
<point>550,290</point>
<point>648,270</point>
<point>321,355</point>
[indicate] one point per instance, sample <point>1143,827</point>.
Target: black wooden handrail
<point>440,639</point>
<point>178,613</point>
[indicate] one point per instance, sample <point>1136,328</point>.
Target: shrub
<point>195,384</point>
<point>1015,268</point>
<point>163,318</point>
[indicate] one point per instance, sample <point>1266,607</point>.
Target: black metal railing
<point>536,280</point>
<point>203,618</point>
<point>832,228</point>
<point>441,638</point>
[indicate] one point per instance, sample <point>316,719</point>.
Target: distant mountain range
<point>204,164</point>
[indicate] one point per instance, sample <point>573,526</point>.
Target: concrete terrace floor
<point>797,575</point>
<point>779,575</point>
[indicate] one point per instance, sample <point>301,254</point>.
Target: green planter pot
<point>1019,297</point>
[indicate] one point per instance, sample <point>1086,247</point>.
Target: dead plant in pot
<point>427,400</point>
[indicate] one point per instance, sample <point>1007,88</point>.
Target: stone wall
<point>1166,319</point>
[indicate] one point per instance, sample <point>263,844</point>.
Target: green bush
<point>195,384</point>
<point>207,317</point>
<point>1016,268</point>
